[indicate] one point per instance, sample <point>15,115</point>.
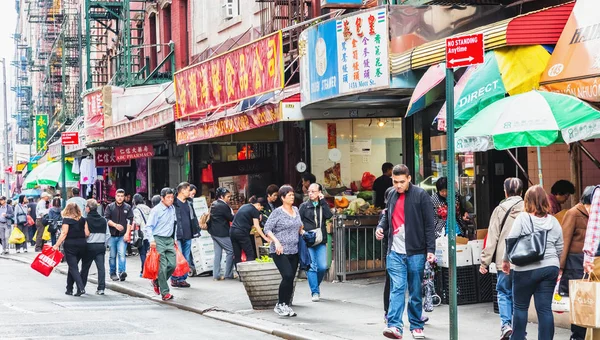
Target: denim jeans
<point>505,298</point>
<point>116,244</point>
<point>540,283</point>
<point>318,267</point>
<point>405,271</point>
<point>143,250</point>
<point>185,246</point>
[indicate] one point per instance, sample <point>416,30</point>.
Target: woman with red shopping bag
<point>74,238</point>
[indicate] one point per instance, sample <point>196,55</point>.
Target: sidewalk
<point>350,310</point>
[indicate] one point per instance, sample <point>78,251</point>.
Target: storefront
<point>130,132</point>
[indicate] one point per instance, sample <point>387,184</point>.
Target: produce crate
<point>495,293</point>
<point>484,286</point>
<point>466,285</point>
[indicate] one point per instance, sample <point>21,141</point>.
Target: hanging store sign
<point>140,125</point>
<point>345,56</point>
<point>261,116</point>
<point>126,153</point>
<point>574,67</point>
<point>41,132</point>
<point>93,114</point>
<point>108,158</point>
<point>245,72</point>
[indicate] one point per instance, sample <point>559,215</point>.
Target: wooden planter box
<point>261,281</point>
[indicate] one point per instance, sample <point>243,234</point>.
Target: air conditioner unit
<point>229,10</point>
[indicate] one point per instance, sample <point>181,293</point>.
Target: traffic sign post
<point>69,138</point>
<point>66,138</point>
<point>460,51</point>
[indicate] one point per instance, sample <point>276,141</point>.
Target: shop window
<point>363,144</point>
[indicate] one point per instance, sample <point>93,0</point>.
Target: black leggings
<point>94,253</point>
<point>287,265</point>
<point>74,252</point>
<point>241,241</point>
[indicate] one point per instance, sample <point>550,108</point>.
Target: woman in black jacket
<point>96,230</point>
<point>221,215</point>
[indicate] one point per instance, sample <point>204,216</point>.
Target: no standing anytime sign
<point>464,50</point>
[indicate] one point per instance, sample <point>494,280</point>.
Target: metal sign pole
<point>63,185</point>
<point>451,218</point>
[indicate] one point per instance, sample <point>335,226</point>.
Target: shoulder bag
<point>21,215</point>
<point>527,248</point>
<point>315,237</point>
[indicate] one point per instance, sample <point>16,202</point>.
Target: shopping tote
<point>47,260</point>
<point>16,237</point>
<point>182,267</point>
<point>151,265</point>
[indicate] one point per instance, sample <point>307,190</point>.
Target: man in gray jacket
<point>500,226</point>
<point>6,213</point>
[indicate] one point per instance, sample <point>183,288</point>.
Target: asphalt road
<point>35,307</point>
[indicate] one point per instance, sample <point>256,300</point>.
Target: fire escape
<point>22,90</point>
<point>114,48</point>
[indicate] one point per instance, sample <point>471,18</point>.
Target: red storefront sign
<point>262,116</point>
<point>69,138</point>
<point>245,72</point>
<point>465,50</point>
<point>93,111</point>
<point>108,158</point>
<point>126,153</point>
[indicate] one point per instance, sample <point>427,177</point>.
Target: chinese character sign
<point>93,117</point>
<point>107,158</point>
<point>41,132</point>
<point>245,72</point>
<point>125,153</point>
<point>362,42</point>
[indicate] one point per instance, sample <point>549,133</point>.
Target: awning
<point>574,67</point>
<point>138,111</point>
<point>279,107</point>
<point>540,27</point>
<point>54,148</point>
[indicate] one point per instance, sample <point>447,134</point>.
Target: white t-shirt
<point>399,241</point>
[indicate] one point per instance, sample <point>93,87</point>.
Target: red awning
<point>539,28</point>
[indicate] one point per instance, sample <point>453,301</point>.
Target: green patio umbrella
<point>532,119</point>
<point>49,173</point>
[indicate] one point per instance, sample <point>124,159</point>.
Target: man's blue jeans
<point>405,271</point>
<point>185,246</point>
<point>318,267</point>
<point>117,244</point>
<point>505,298</point>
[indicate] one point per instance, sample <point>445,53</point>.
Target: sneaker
<point>424,318</point>
<point>174,283</point>
<point>280,310</point>
<point>25,250</point>
<point>100,292</point>
<point>506,332</point>
<point>167,297</point>
<point>316,297</point>
<point>184,284</point>
<point>418,334</point>
<point>69,292</point>
<point>79,293</point>
<point>114,277</point>
<point>392,333</point>
<point>123,276</point>
<point>155,286</point>
<point>290,311</point>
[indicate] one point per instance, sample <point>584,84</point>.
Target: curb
<point>208,311</point>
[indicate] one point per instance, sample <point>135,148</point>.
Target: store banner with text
<point>261,116</point>
<point>108,158</point>
<point>93,117</point>
<point>140,125</point>
<point>41,132</point>
<point>345,56</point>
<point>245,72</point>
<point>126,153</point>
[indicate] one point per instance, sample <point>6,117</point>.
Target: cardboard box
<point>476,248</point>
<point>464,256</point>
<point>461,240</point>
<point>482,234</point>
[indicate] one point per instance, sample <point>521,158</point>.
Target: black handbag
<point>527,248</point>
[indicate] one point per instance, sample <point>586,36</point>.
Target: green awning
<point>49,173</point>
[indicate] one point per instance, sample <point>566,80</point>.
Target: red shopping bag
<point>182,267</point>
<point>244,258</point>
<point>151,265</point>
<point>47,260</point>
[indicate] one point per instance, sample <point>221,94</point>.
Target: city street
<point>35,307</point>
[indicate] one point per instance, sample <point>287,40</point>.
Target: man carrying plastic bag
<point>161,230</point>
<point>586,292</point>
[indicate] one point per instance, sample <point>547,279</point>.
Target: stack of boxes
<point>203,254</point>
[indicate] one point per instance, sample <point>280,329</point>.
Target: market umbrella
<point>532,119</point>
<point>49,173</point>
<point>511,70</point>
<point>428,90</point>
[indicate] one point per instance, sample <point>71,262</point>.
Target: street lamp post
<point>6,146</point>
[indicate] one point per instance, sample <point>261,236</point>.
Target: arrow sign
<point>464,50</point>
